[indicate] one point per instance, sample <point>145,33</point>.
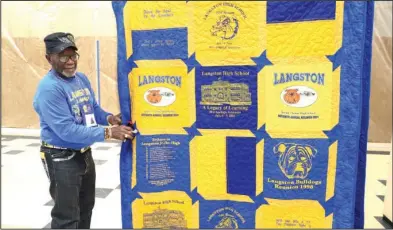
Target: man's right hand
<point>122,132</point>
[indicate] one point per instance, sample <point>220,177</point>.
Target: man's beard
<point>68,74</point>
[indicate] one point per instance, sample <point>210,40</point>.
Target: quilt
<point>250,114</point>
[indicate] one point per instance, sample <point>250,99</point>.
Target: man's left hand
<point>115,120</point>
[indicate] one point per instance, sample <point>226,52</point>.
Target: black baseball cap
<point>59,41</point>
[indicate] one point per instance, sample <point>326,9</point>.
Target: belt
<point>57,147</point>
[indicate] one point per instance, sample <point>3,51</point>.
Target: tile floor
<point>25,200</point>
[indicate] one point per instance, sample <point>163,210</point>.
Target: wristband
<point>107,133</point>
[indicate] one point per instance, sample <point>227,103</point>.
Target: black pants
<point>72,178</point>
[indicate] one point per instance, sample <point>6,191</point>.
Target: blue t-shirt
<point>61,104</point>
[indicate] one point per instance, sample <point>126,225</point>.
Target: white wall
<point>387,212</point>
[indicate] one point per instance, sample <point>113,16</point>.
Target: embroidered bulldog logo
<point>228,222</point>
<point>292,96</point>
<point>225,27</point>
<point>160,96</point>
<point>154,96</point>
<point>295,160</point>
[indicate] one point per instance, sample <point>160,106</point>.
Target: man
<point>69,118</point>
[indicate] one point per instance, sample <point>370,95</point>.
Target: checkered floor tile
<point>24,184</point>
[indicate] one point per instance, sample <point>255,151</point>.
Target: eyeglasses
<point>65,58</point>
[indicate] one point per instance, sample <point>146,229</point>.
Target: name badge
<point>90,120</point>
